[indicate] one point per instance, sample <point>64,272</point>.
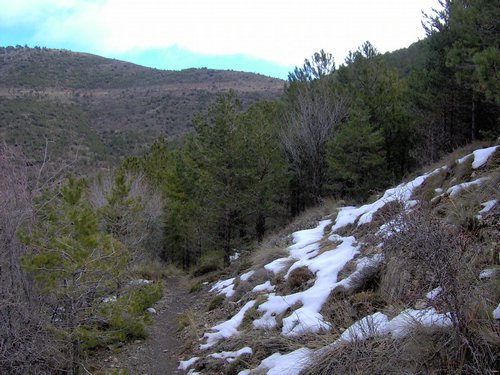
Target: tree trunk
<point>260,227</point>
<point>473,122</point>
<point>227,237</point>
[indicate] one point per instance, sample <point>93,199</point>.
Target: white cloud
<point>282,31</point>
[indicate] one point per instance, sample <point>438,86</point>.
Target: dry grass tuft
<point>298,279</point>
<point>372,356</point>
<point>241,289</point>
<point>187,322</point>
<point>265,254</point>
<point>155,269</point>
<point>366,303</point>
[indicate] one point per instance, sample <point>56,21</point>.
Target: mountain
<point>103,107</point>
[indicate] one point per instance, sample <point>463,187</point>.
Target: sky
<point>270,37</point>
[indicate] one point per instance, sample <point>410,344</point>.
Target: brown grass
<point>264,255</point>
<point>298,278</point>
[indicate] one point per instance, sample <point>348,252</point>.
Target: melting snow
<point>372,325</point>
<point>277,265</point>
<point>231,356</point>
<point>227,329</point>
<point>361,265</point>
<point>307,318</point>
<point>487,273</point>
<point>401,324</point>
<point>184,365</point>
<point>379,324</point>
<point>225,287</point>
<point>496,312</point>
<point>305,252</point>
<point>246,275</point>
<point>283,364</point>
<point>481,156</point>
<point>433,294</point>
<point>403,192</point>
<point>139,282</point>
<point>454,190</point>
<point>487,206</point>
<point>266,287</point>
<point>109,299</point>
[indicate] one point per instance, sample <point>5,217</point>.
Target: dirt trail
<point>159,353</point>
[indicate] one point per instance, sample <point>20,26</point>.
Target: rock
<point>487,273</point>
<point>151,310</point>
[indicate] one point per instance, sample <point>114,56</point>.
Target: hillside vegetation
<point>400,279</point>
<point>126,105</point>
<point>407,283</point>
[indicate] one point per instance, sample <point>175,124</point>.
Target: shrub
<point>241,289</point>
<point>216,302</point>
<point>298,278</point>
<point>366,303</point>
<point>122,320</point>
<point>209,262</point>
<point>250,315</point>
<point>155,269</point>
<point>426,253</point>
<point>196,287</point>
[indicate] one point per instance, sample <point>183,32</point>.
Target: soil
<point>159,353</point>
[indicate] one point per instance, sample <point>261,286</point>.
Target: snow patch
<point>364,214</point>
<point>283,364</point>
<point>231,356</point>
<point>109,299</point>
<point>234,257</point>
<point>481,156</point>
<point>278,265</point>
<point>496,312</point>
<point>307,318</point>
<point>487,206</point>
<point>225,287</point>
<point>379,324</point>
<point>246,275</point>
<point>226,329</point>
<point>402,324</point>
<point>487,273</point>
<point>266,287</point>
<point>369,326</point>
<point>454,190</point>
<point>433,294</point>
<point>361,265</point>
<point>184,365</point>
<point>138,282</point>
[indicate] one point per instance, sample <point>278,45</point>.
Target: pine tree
<point>356,158</point>
<point>366,79</point>
<point>75,264</point>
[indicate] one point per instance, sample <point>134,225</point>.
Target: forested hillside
<point>79,251</point>
<point>125,105</point>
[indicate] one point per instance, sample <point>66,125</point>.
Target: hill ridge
<point>126,105</point>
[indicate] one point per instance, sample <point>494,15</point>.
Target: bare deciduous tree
<point>24,344</point>
<point>133,215</point>
<point>316,113</point>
